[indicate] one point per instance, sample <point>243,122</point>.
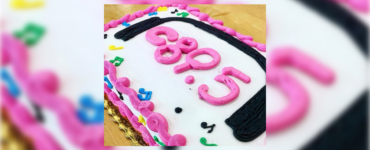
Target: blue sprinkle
<point>153,13</point>
<point>148,94</point>
<point>87,103</point>
<point>108,82</point>
<point>12,86</point>
<point>125,24</point>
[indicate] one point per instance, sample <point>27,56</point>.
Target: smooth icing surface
<point>189,79</point>
<point>160,79</point>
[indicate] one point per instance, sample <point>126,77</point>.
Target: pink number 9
<point>191,63</point>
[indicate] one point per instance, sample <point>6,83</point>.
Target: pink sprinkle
<point>189,79</point>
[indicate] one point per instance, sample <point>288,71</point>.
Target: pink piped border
<point>126,112</point>
<point>42,88</point>
<point>155,121</point>
<point>194,11</point>
<point>26,123</point>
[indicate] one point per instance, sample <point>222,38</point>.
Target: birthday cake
<point>182,78</point>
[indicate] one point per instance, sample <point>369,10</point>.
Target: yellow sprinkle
<point>112,47</point>
<point>141,120</point>
<point>26,4</point>
<point>162,9</point>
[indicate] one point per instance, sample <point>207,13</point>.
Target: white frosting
<point>170,90</point>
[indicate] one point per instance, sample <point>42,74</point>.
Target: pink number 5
<point>299,98</point>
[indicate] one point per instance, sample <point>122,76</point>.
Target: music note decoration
<point>148,94</point>
<point>87,104</point>
<point>162,9</point>
<point>118,59</point>
<point>183,14</point>
<point>112,47</point>
<point>26,4</point>
<point>31,34</point>
<point>204,126</point>
<point>175,11</point>
<point>153,13</point>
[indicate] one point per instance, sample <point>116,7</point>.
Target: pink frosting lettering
<point>296,93</point>
<point>236,73</point>
<point>187,44</point>
<point>176,56</point>
<point>191,63</point>
<point>202,90</point>
<point>152,35</point>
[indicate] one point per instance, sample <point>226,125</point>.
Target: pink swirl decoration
<point>155,121</point>
<point>26,123</point>
<point>194,11</point>
<point>126,112</point>
<point>42,89</point>
<point>152,35</point>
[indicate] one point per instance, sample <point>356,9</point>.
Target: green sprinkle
<point>184,14</point>
<point>160,143</point>
<point>203,140</point>
<point>118,59</point>
<point>31,34</point>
